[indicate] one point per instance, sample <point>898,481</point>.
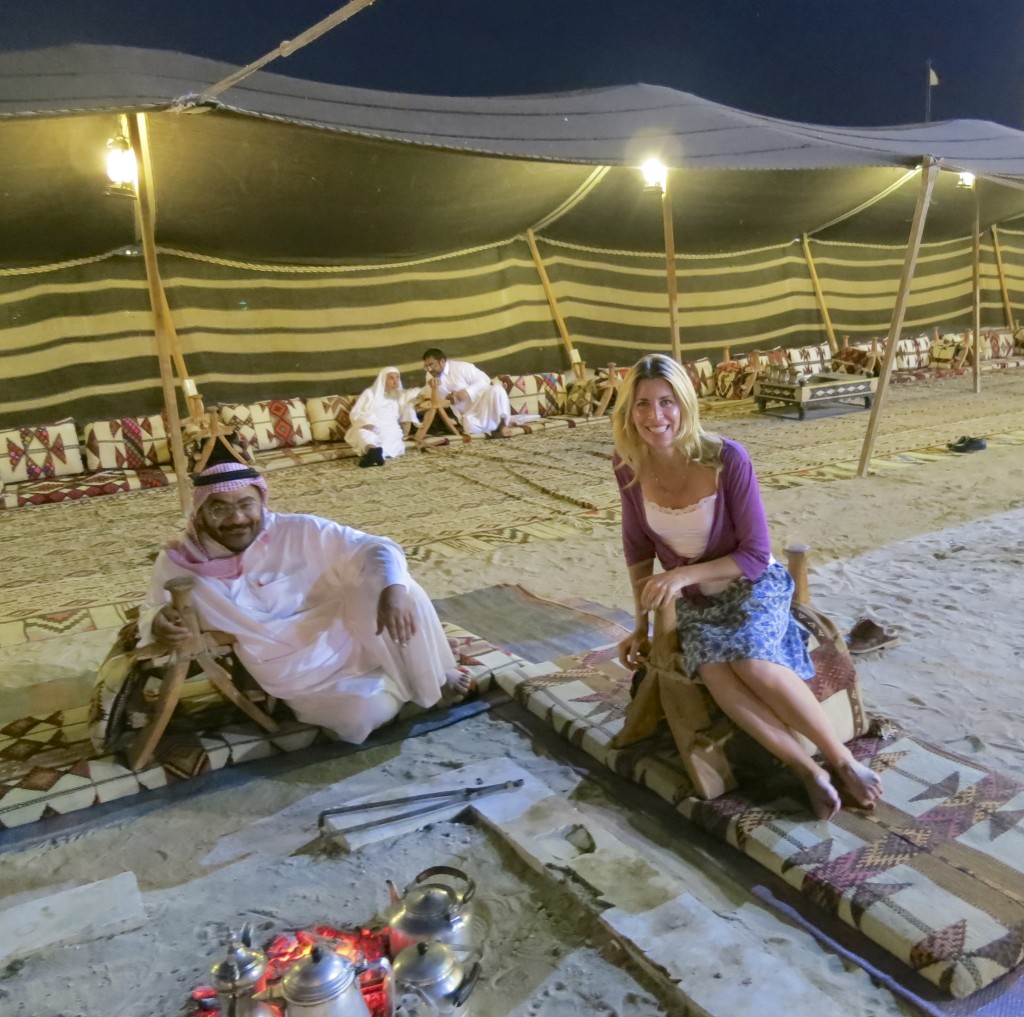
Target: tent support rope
<point>895,186</point>
<point>929,171</point>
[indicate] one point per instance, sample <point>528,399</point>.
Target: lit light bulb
<point>121,167</point>
<point>655,174</point>
<point>966,180</point>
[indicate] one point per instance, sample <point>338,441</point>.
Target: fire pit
<point>288,949</point>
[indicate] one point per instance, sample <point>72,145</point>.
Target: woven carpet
<point>73,567</point>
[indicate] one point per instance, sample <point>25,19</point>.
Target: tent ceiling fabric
<point>288,170</point>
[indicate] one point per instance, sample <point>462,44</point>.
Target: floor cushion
<point>275,423</point>
<point>39,453</point>
<point>329,416</point>
<point>126,443</point>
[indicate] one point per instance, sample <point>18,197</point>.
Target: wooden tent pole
<point>574,357</point>
<point>670,268</point>
<point>819,295</point>
<point>139,136</point>
<point>1007,306</point>
<point>976,287</point>
<point>929,170</point>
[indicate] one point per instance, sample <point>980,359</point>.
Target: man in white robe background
<point>482,407</point>
<point>326,618</point>
<point>380,418</point>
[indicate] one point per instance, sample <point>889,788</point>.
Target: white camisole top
<point>686,531</point>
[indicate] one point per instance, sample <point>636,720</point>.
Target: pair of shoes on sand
<point>867,635</point>
<point>372,457</point>
<point>967,444</point>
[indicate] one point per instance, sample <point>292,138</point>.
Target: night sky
<point>854,62</point>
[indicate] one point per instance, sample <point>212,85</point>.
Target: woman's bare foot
<point>862,783</point>
<point>456,686</point>
<point>824,797</point>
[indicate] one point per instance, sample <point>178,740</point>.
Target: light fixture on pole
<point>656,179</point>
<point>965,179</point>
<point>122,169</point>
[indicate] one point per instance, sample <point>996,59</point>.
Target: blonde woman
<point>690,499</point>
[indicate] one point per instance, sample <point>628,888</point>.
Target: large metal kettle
<point>436,906</point>
<point>326,984</point>
<point>236,977</point>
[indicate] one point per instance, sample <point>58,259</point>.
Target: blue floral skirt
<point>747,620</point>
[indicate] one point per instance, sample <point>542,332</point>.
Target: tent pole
<point>929,169</point>
<point>976,287</point>
<point>1007,306</point>
<point>670,266</point>
<point>146,208</point>
<point>819,295</point>
<point>574,357</point>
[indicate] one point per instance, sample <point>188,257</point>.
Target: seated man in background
<point>380,419</point>
<point>482,407</point>
<point>326,617</point>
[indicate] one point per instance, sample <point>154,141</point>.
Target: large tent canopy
<point>286,170</point>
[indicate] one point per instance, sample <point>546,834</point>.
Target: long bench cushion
<point>329,416</point>
<point>275,423</point>
<point>39,453</point>
<point>811,359</point>
<point>126,443</point>
<point>535,394</point>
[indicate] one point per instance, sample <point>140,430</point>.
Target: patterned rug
<point>934,876</point>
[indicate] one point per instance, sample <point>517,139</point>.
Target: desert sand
<point>934,550</point>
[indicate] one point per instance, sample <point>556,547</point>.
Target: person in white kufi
<point>325,617</point>
<point>377,418</point>
<point>481,406</point>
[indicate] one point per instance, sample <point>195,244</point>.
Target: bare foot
<point>862,783</point>
<point>456,686</point>
<point>824,797</point>
<point>502,431</point>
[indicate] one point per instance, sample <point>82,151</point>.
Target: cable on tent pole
<point>929,171</point>
<point>574,199</point>
<point>287,48</point>
<point>895,186</point>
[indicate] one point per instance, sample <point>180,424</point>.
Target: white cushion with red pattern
<point>39,453</point>
<point>275,423</point>
<point>128,443</point>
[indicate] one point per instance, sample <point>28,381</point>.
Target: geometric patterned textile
<point>86,485</point>
<point>129,443</point>
<point>702,375</point>
<point>811,359</point>
<point>329,416</point>
<point>535,394</point>
<point>48,765</point>
<point>913,353</point>
<point>275,423</point>
<point>934,875</point>
<point>39,453</point>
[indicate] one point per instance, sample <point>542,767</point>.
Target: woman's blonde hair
<point>692,440</point>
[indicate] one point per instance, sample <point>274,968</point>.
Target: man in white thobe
<point>481,406</point>
<point>326,617</point>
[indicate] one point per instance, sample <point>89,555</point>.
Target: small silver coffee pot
<point>436,907</point>
<point>434,973</point>
<point>326,984</point>
<point>235,978</point>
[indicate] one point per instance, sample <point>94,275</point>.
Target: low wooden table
<point>815,390</point>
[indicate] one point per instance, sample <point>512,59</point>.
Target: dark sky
<point>856,62</point>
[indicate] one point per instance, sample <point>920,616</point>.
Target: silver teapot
<point>434,973</point>
<point>236,976</point>
<point>326,984</point>
<point>433,908</point>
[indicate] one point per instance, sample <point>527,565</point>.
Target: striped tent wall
<point>1011,248</point>
<point>76,339</point>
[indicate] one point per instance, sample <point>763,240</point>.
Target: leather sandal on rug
<point>967,444</point>
<point>867,635</point>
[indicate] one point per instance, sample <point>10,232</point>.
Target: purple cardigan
<point>738,528</point>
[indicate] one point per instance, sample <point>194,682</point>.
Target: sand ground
<point>935,550</point>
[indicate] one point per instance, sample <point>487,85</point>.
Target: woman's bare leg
<point>755,717</point>
<point>794,704</point>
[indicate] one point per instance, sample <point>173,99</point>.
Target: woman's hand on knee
<point>635,649</point>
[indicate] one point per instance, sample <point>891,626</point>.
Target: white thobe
<point>304,613</point>
<point>377,416</point>
<point>486,408</point>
